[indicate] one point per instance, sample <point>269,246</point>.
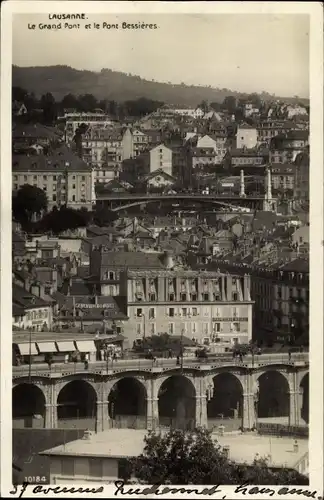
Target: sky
<point>244,52</point>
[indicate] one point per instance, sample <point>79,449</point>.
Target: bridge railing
<point>160,364</point>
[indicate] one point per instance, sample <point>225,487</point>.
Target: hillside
<point>112,85</point>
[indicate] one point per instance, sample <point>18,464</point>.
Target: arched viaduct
<point>157,397</point>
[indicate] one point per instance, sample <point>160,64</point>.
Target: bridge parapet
<point>160,365</point>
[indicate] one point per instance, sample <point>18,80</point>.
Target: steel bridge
<point>121,201</point>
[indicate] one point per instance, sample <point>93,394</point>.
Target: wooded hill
<point>114,85</point>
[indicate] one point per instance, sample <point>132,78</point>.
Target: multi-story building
<point>164,298</point>
<point>246,136</point>
<point>65,178</point>
<point>285,148</point>
<point>301,182</point>
<point>203,156</point>
<point>134,143</point>
<point>217,141</point>
<point>93,120</point>
<point>206,306</point>
<point>283,176</point>
<point>161,158</point>
<point>268,129</point>
<point>281,301</point>
<point>246,157</point>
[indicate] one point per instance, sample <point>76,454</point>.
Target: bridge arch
<point>225,401</point>
<point>127,405</point>
<point>77,405</point>
<point>177,402</point>
<point>273,396</point>
<point>28,405</point>
<point>304,398</point>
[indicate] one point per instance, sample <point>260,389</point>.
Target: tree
<point>203,106</point>
<point>49,108</point>
<point>87,103</point>
<point>104,216</point>
<point>69,101</point>
<point>195,458</point>
<point>229,103</point>
<point>61,220</point>
<point>28,202</point>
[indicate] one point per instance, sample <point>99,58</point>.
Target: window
<point>152,328</point>
<point>16,177</point>
<point>161,163</point>
<point>67,465</point>
<point>35,177</point>
<point>206,328</point>
<point>73,197</point>
<point>235,296</point>
<point>236,327</point>
<point>183,297</point>
<point>83,178</point>
<point>73,177</point>
<point>111,275</point>
<point>139,329</point>
<point>206,297</point>
<point>152,297</point>
<point>139,313</point>
<point>54,187</point>
<point>279,292</point>
<point>45,177</point>
<point>54,177</point>
<point>184,312</point>
<point>194,297</point>
<point>95,467</point>
<point>54,197</point>
<point>171,312</point>
<point>216,327</point>
<point>235,312</point>
<point>73,186</point>
<point>151,313</point>
<point>194,311</point>
<point>15,187</point>
<point>171,328</point>
<point>193,328</point>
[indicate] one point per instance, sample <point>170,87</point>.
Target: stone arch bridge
<point>164,396</point>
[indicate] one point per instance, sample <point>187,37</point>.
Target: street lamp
<point>144,324</point>
<point>181,350</point>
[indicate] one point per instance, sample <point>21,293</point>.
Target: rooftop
<point>119,443</point>
<point>60,160</point>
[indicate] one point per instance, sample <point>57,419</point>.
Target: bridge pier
<point>249,412</point>
<point>102,418</point>
<point>201,411</point>
<point>50,416</point>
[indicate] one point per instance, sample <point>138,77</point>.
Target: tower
<point>268,204</point>
<point>242,185</point>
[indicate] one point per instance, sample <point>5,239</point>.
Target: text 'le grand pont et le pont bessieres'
<point>67,22</point>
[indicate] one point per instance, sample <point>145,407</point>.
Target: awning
<point>66,346</point>
<point>45,347</point>
<point>26,349</point>
<point>86,346</point>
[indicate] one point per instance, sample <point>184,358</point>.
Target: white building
<point>161,158</point>
<point>246,136</point>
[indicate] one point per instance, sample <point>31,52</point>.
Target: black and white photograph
<point>161,244</point>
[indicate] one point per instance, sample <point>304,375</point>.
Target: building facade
<point>65,178</point>
<point>161,158</point>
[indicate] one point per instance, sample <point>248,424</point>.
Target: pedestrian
<point>259,351</point>
<point>241,357</point>
<point>86,364</point>
<point>170,353</point>
<point>66,358</point>
<point>102,355</point>
<point>49,363</point>
<point>115,357</point>
<point>178,360</point>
